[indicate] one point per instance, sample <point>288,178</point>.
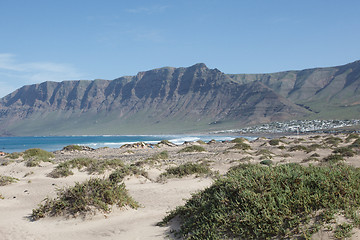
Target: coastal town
<point>297,127</point>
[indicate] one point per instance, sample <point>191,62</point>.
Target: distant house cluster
<point>296,126</point>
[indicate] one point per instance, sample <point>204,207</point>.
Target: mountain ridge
<point>176,100</point>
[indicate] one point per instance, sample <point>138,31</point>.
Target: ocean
<point>53,143</point>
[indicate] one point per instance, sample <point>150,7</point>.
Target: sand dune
<point>156,198</point>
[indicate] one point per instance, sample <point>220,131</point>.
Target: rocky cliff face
<point>324,89</point>
<point>166,99</point>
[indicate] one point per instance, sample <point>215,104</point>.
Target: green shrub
<point>333,158</point>
<point>356,143</point>
<point>334,141</point>
<point>93,195</point>
<point>185,170</point>
<point>166,142</point>
<point>14,155</point>
<point>241,146</point>
<point>73,148</point>
<point>343,231</point>
<point>120,173</point>
<point>344,151</point>
<point>64,169</point>
<point>39,153</point>
<point>264,152</point>
<point>160,156</point>
<point>274,142</point>
<point>313,147</point>
<point>308,159</point>
<point>193,148</point>
<point>352,136</point>
<point>299,140</point>
<point>35,156</point>
<point>266,162</point>
<point>6,162</point>
<point>297,148</point>
<point>5,180</point>
<point>90,165</point>
<point>238,140</point>
<point>253,202</point>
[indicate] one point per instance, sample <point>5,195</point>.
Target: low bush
<point>274,142</point>
<point>167,143</point>
<point>239,140</point>
<point>266,162</point>
<point>313,147</point>
<point>281,202</point>
<point>241,146</point>
<point>92,166</point>
<point>298,148</point>
<point>160,156</point>
<point>93,195</point>
<point>5,180</point>
<point>73,148</point>
<point>355,144</point>
<point>264,152</point>
<point>352,136</point>
<point>193,148</point>
<point>334,141</point>
<point>14,155</point>
<point>35,156</point>
<point>333,158</point>
<point>185,170</point>
<point>343,231</point>
<point>344,151</point>
<point>127,170</point>
<point>201,142</point>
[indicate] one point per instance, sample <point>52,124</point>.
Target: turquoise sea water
<point>53,143</point>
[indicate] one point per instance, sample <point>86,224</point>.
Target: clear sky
<point>55,40</point>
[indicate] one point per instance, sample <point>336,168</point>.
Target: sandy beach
<point>156,198</point>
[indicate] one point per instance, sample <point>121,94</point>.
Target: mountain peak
<point>199,65</point>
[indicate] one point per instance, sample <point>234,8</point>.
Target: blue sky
<point>55,40</point>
